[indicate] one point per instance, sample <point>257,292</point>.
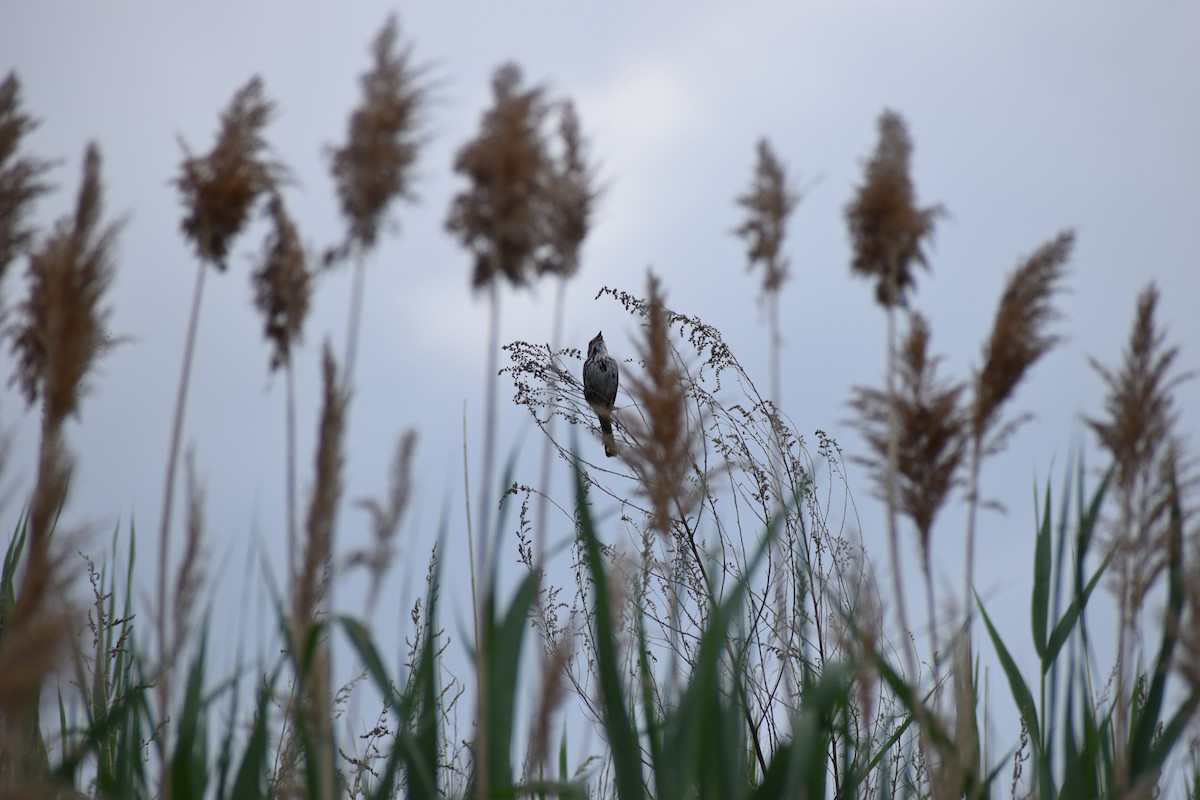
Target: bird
<point>600,380</point>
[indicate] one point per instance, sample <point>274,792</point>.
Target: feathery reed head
<point>663,452</point>
<point>930,432</point>
<point>1149,468</point>
<point>1140,407</point>
<point>20,177</point>
<point>1019,336</point>
<point>768,203</point>
<point>374,166</point>
<point>386,515</point>
<point>888,230</point>
<point>318,546</point>
<point>219,189</point>
<point>60,328</point>
<point>500,217</point>
<point>570,198</point>
<point>282,283</point>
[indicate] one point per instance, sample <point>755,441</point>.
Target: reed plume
<point>218,190</point>
<point>310,651</point>
<point>662,455</point>
<point>312,581</point>
<point>569,200</point>
<point>282,292</point>
<point>888,234</point>
<point>374,167</point>
<point>282,284</point>
<point>930,440</point>
<point>1137,430</point>
<point>500,220</point>
<point>1019,338</point>
<point>768,204</point>
<point>387,514</point>
<point>21,177</point>
<point>60,330</point>
<point>888,230</point>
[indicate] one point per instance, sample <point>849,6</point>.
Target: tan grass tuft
<point>1019,337</point>
<point>61,326</point>
<point>219,189</point>
<point>318,546</point>
<point>930,437</point>
<point>282,284</point>
<point>768,203</point>
<point>374,166</point>
<point>499,217</point>
<point>20,177</point>
<point>888,230</point>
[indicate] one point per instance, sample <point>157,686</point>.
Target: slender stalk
<point>775,344</point>
<point>931,614</point>
<point>489,430</point>
<point>290,468</point>
<point>354,323</point>
<point>890,490</point>
<point>972,513</point>
<point>164,528</point>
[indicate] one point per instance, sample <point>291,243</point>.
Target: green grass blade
<point>1066,624</point>
<point>622,735</point>
<point>1020,690</point>
<point>1039,607</point>
<point>188,769</point>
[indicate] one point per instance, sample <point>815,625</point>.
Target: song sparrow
<point>600,388</point>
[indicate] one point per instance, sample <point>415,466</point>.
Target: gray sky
<point>1027,118</point>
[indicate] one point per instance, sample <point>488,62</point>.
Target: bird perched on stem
<point>600,388</point>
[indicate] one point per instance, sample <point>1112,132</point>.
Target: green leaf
<point>1039,607</point>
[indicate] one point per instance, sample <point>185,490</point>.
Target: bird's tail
<point>610,445</point>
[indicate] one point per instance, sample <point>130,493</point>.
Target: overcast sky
<point>1027,118</point>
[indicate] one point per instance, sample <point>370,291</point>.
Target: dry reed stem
<point>1019,338</point>
<point>59,332</point>
<point>20,176</point>
<point>218,191</point>
<point>1138,433</point>
<point>311,586</point>
<point>930,440</point>
<point>190,576</point>
<point>888,233</point>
